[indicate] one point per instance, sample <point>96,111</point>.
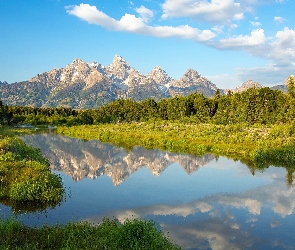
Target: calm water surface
<point>203,202</point>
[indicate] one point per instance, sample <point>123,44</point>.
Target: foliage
<point>236,140</point>
<point>109,234</point>
<point>25,177</point>
<point>256,105</point>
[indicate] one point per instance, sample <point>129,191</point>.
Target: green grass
<point>26,182</point>
<point>257,144</point>
<point>109,234</point>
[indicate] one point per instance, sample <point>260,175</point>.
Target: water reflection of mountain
<point>82,159</point>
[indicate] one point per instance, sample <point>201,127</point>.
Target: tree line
<point>253,106</point>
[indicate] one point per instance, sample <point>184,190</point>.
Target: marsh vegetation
<point>26,182</point>
<point>109,234</point>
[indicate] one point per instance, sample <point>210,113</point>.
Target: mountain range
<point>82,85</point>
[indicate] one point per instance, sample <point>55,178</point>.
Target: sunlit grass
<point>109,234</point>
<point>256,143</point>
<point>25,176</point>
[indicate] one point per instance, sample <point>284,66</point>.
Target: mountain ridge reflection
<point>81,159</point>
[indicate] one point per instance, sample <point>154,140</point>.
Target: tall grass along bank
<point>109,234</point>
<point>257,144</point>
<point>26,181</point>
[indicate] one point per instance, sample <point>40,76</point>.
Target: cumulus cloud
<point>271,74</point>
<point>255,24</point>
<point>284,45</point>
<point>218,29</point>
<point>92,15</point>
<point>133,24</point>
<point>253,206</point>
<point>257,37</point>
<point>278,50</point>
<point>145,14</point>
<point>278,19</point>
<point>212,11</point>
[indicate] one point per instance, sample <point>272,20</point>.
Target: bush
<point>110,234</point>
<point>25,175</point>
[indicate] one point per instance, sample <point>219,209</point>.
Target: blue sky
<point>227,41</point>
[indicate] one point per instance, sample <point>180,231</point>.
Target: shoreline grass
<point>109,234</point>
<point>261,145</point>
<point>26,182</point>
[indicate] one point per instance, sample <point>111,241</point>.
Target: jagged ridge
<point>81,85</point>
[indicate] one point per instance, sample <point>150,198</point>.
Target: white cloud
<point>233,26</point>
<point>226,81</point>
<point>253,206</point>
<point>255,24</point>
<point>133,24</point>
<point>130,23</point>
<point>278,19</point>
<point>202,10</point>
<point>285,39</point>
<point>218,29</point>
<point>145,13</point>
<point>257,37</point>
<point>268,75</point>
<point>92,15</point>
<point>278,50</point>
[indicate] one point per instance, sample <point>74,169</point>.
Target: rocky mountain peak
<point>190,75</point>
<point>248,84</point>
<point>77,62</point>
<point>97,66</point>
<point>120,59</point>
<point>159,76</point>
<point>134,78</point>
<point>3,83</point>
<point>119,69</point>
<point>94,64</point>
<point>191,82</point>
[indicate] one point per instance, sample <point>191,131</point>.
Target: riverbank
<point>26,182</point>
<point>109,234</point>
<point>258,145</point>
<point>27,185</point>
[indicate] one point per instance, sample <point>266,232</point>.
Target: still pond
<point>204,202</point>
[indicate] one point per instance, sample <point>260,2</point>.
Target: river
<point>204,202</point>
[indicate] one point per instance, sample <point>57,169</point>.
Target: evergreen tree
<point>291,87</point>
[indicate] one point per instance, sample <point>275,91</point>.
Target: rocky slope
<point>81,85</point>
<point>246,85</point>
<point>284,87</point>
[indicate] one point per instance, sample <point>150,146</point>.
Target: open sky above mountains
<point>225,40</point>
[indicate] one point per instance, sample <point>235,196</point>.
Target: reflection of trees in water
<point>255,167</point>
<point>290,177</point>
<point>30,207</point>
<point>92,158</point>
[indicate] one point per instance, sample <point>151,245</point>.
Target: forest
<point>254,106</point>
